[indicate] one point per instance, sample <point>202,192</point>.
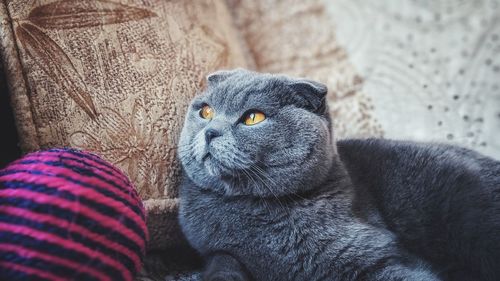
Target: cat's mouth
<point>207,156</point>
<point>216,167</point>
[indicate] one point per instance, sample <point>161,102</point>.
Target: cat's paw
<point>225,276</point>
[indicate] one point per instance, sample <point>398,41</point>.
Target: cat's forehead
<point>243,91</point>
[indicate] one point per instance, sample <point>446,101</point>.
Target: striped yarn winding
<point>69,215</point>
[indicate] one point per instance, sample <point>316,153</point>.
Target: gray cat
<point>269,195</point>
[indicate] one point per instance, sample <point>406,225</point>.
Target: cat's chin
<point>215,168</point>
<point>210,166</point>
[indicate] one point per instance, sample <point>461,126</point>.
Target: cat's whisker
<point>261,198</point>
<point>288,195</point>
<point>262,172</point>
<point>184,148</point>
<point>252,168</point>
<point>183,145</point>
<point>274,182</point>
<point>286,210</point>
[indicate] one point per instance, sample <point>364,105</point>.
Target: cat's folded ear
<point>221,75</point>
<point>312,93</point>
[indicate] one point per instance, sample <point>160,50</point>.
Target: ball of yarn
<point>69,215</point>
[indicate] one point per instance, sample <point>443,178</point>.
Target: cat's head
<point>257,134</point>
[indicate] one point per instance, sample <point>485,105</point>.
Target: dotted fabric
<point>431,68</point>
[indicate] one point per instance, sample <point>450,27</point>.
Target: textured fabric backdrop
<point>430,67</point>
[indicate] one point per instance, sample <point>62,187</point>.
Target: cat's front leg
<point>224,267</point>
<point>396,267</point>
<point>398,271</point>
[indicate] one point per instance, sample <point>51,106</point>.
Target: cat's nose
<point>211,133</point>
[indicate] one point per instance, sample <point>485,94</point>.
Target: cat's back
<point>418,174</point>
<point>442,201</point>
<point>409,154</point>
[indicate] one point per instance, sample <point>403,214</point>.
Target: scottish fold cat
<point>268,194</point>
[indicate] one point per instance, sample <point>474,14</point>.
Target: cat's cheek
<point>257,138</point>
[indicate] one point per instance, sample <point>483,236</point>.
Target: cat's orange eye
<point>207,112</point>
<point>253,118</point>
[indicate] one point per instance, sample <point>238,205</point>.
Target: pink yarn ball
<point>69,215</point>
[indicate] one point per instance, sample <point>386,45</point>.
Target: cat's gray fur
<point>281,200</point>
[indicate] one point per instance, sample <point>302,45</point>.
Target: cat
<point>268,194</point>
